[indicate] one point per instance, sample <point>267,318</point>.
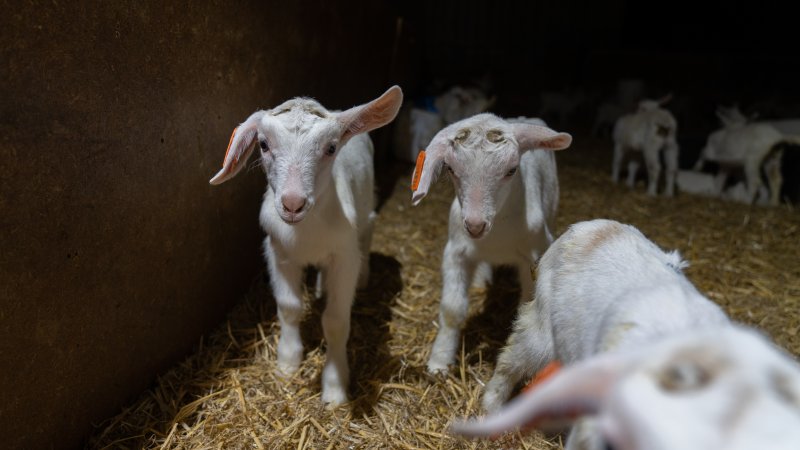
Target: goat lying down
<point>651,362</point>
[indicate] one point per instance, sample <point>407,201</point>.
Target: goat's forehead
<point>300,116</point>
<point>484,135</point>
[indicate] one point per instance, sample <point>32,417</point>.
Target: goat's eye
<point>449,169</point>
<point>683,376</point>
<point>264,146</point>
<point>511,172</point>
<point>331,150</point>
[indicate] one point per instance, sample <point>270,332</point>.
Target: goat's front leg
<point>772,167</point>
<point>286,278</point>
<point>671,167</point>
<point>653,165</point>
<point>752,174</point>
<point>457,272</point>
<point>342,274</point>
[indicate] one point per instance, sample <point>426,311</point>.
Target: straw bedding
<point>226,395</point>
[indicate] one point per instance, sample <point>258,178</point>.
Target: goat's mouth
<point>478,232</point>
<point>476,236</point>
<point>292,218</point>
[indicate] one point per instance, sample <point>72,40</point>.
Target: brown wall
<point>115,253</point>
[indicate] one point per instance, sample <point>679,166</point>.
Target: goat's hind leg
<point>364,243</point>
<point>528,350</point>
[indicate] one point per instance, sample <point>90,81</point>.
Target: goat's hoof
<point>333,397</point>
<point>287,369</point>
<point>491,401</point>
<point>437,368</point>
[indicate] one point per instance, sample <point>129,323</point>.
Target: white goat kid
<point>318,210</point>
<point>602,286</point>
<point>650,130</point>
<point>751,146</point>
<point>726,388</point>
<point>504,211</point>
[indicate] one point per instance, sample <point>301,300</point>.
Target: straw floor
<point>227,395</point>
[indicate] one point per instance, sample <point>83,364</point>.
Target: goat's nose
<point>293,203</point>
<point>475,227</point>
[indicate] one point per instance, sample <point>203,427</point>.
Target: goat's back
<point>604,285</point>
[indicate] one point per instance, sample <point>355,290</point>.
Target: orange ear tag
<point>418,170</point>
<point>542,375</point>
<point>229,146</point>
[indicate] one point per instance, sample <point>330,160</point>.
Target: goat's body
<point>317,210</point>
<point>601,287</point>
<point>752,147</point>
<point>649,132</point>
<point>582,290</point>
<point>335,237</point>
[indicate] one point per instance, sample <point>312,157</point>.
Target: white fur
<point>601,287</point>
<point>497,217</point>
<point>718,388</point>
<point>751,146</point>
<point>651,130</point>
<point>328,223</point>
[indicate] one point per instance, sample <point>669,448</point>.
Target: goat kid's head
<point>298,142</point>
<point>482,155</point>
<point>723,388</point>
<point>733,117</point>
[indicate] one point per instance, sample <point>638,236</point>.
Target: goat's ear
<point>428,169</point>
<point>573,392</point>
<point>665,99</point>
<point>372,115</point>
<point>531,136</point>
<point>239,148</point>
<point>722,114</point>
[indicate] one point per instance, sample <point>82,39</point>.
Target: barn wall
<point>116,253</point>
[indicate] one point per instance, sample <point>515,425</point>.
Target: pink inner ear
<point>375,114</point>
<point>239,148</point>
<point>530,136</point>
<point>557,142</point>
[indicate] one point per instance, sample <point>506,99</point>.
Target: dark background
<point>115,253</point>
